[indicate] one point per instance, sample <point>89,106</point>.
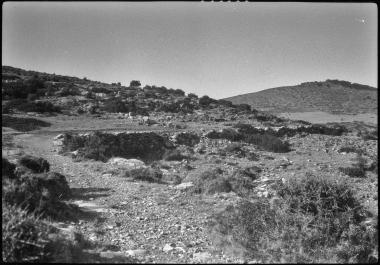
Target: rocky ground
<point>164,222</point>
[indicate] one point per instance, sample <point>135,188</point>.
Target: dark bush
<point>241,181</point>
<point>235,148</point>
<point>314,219</point>
<point>135,83</point>
<point>187,138</point>
<point>358,168</point>
<point>24,237</point>
<point>205,101</point>
<point>30,106</point>
<point>145,174</point>
<point>39,194</point>
<point>8,169</point>
<point>268,142</point>
<point>22,124</point>
<point>211,181</point>
<point>103,146</point>
<point>27,238</point>
<point>350,149</point>
<point>115,106</point>
<point>243,107</point>
<point>36,164</point>
<point>68,91</point>
<point>355,172</point>
<point>173,155</point>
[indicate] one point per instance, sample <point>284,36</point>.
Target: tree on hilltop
<point>135,83</point>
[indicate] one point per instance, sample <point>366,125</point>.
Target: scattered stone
<point>126,163</point>
<point>168,247</point>
<point>201,256</point>
<point>136,252</point>
<point>184,186</point>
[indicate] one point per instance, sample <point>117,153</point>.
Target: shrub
<point>358,168</point>
<point>205,101</point>
<point>116,105</point>
<point>355,172</point>
<point>233,148</point>
<point>369,135</point>
<point>8,169</point>
<point>173,155</point>
<point>187,138</point>
<point>145,174</point>
<point>350,149</point>
<point>39,194</point>
<point>268,142</point>
<point>314,219</point>
<point>135,83</point>
<point>241,181</point>
<point>36,164</point>
<point>25,237</point>
<point>30,106</point>
<point>210,181</point>
<point>22,124</point>
<point>103,146</point>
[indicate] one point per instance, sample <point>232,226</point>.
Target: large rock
<point>126,163</point>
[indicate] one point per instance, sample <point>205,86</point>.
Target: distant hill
<point>333,96</point>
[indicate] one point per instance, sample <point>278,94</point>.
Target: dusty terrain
<point>163,208</point>
<point>142,218</point>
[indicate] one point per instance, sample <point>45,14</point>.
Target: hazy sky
<point>218,49</point>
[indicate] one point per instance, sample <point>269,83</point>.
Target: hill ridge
<point>332,96</point>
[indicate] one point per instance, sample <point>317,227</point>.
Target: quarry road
<point>150,221</point>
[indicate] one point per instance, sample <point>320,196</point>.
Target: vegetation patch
<point>23,124</point>
<point>36,164</point>
<point>27,238</point>
<point>103,146</point>
<point>350,149</point>
<point>314,219</point>
<point>173,155</point>
<point>37,193</point>
<point>145,174</point>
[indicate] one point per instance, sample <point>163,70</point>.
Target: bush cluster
<point>357,170</point>
<point>22,124</point>
<point>350,149</point>
<point>40,194</point>
<point>30,106</point>
<point>145,174</point>
<point>36,164</point>
<point>103,146</point>
<point>313,219</point>
<point>173,155</point>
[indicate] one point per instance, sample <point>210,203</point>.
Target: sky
<point>216,49</point>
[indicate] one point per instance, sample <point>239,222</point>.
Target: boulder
<point>184,186</point>
<point>59,136</point>
<point>126,163</point>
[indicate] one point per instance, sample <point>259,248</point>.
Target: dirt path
<point>137,218</point>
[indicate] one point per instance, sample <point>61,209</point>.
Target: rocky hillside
<point>333,96</point>
<point>31,91</point>
<point>105,173</point>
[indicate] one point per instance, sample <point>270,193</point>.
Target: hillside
<point>333,96</point>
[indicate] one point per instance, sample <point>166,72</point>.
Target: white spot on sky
<point>361,20</point>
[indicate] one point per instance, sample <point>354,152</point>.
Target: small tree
<point>135,83</point>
